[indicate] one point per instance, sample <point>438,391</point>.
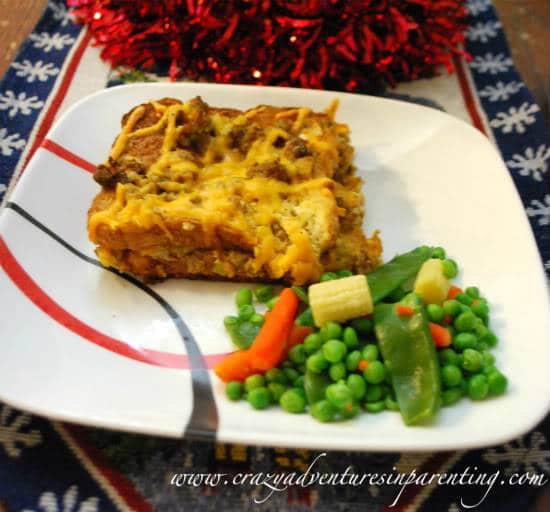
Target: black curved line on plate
<point>203,423</point>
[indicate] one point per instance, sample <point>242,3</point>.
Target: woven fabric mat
<point>50,466</point>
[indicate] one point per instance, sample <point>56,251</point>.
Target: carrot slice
<point>269,347</point>
<point>297,335</point>
<point>453,292</point>
<point>440,335</point>
<point>235,366</point>
<point>403,310</point>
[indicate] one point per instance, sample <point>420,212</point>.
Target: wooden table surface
<point>526,22</point>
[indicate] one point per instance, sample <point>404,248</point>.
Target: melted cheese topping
<point>226,185</point>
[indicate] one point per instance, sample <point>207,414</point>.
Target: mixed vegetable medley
<point>401,338</point>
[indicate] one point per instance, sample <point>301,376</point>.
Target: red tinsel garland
<point>336,44</point>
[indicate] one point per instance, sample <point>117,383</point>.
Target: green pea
<point>451,307</point>
<point>334,350</point>
<point>254,381</point>
<point>339,395</point>
<point>370,352</point>
<point>312,343</point>
<point>357,385</point>
<point>465,309</point>
<point>243,297</point>
<point>497,382</point>
<point>350,411</point>
<point>292,401</point>
<point>465,322</point>
<point>230,321</point>
<point>478,387</point>
<point>391,404</point>
<point>447,356</point>
<point>438,252</point>
<point>331,331</point>
<point>480,309</point>
<point>287,364</point>
<point>300,381</point>
<point>450,268</point>
<point>328,276</point>
<point>451,396</point>
<point>464,298</point>
<point>435,312</point>
<point>306,318</point>
<point>337,371</point>
<point>264,293</point>
<point>276,375</point>
<point>301,294</point>
<point>297,354</point>
<point>374,393</point>
<point>473,360</point>
<point>291,374</point>
<point>375,407</point>
<point>352,360</point>
<point>451,375</point>
<point>490,338</point>
<point>246,311</point>
<point>481,330</point>
<point>271,302</point>
<point>234,390</point>
<point>464,340</point>
<point>488,358</point>
<point>257,319</point>
<point>362,325</point>
<point>482,346</point>
<point>316,363</point>
<point>472,291</point>
<point>323,411</point>
<point>350,338</point>
<point>375,372</point>
<point>344,273</point>
<point>259,398</point>
<point>276,389</point>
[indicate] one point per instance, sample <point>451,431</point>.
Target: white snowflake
<point>492,64</point>
<point>9,143</point>
<point>20,103</point>
<point>522,455</point>
<point>482,32</point>
<point>11,435</point>
<point>547,265</point>
<point>531,162</point>
<point>476,7</point>
<point>500,91</point>
<point>48,42</point>
<point>49,502</point>
<point>542,209</point>
<point>516,119</point>
<point>60,12</point>
<point>35,71</point>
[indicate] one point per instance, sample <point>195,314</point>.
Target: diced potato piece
<point>340,300</point>
<point>431,283</point>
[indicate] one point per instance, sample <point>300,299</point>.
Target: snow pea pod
<point>390,276</point>
<point>315,385</point>
<point>410,356</point>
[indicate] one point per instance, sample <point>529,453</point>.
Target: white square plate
<point>84,344</point>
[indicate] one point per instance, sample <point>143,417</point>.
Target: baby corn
<point>340,300</point>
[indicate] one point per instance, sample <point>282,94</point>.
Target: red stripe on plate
<point>468,95</point>
<point>43,301</point>
<point>69,156</point>
<point>59,95</point>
